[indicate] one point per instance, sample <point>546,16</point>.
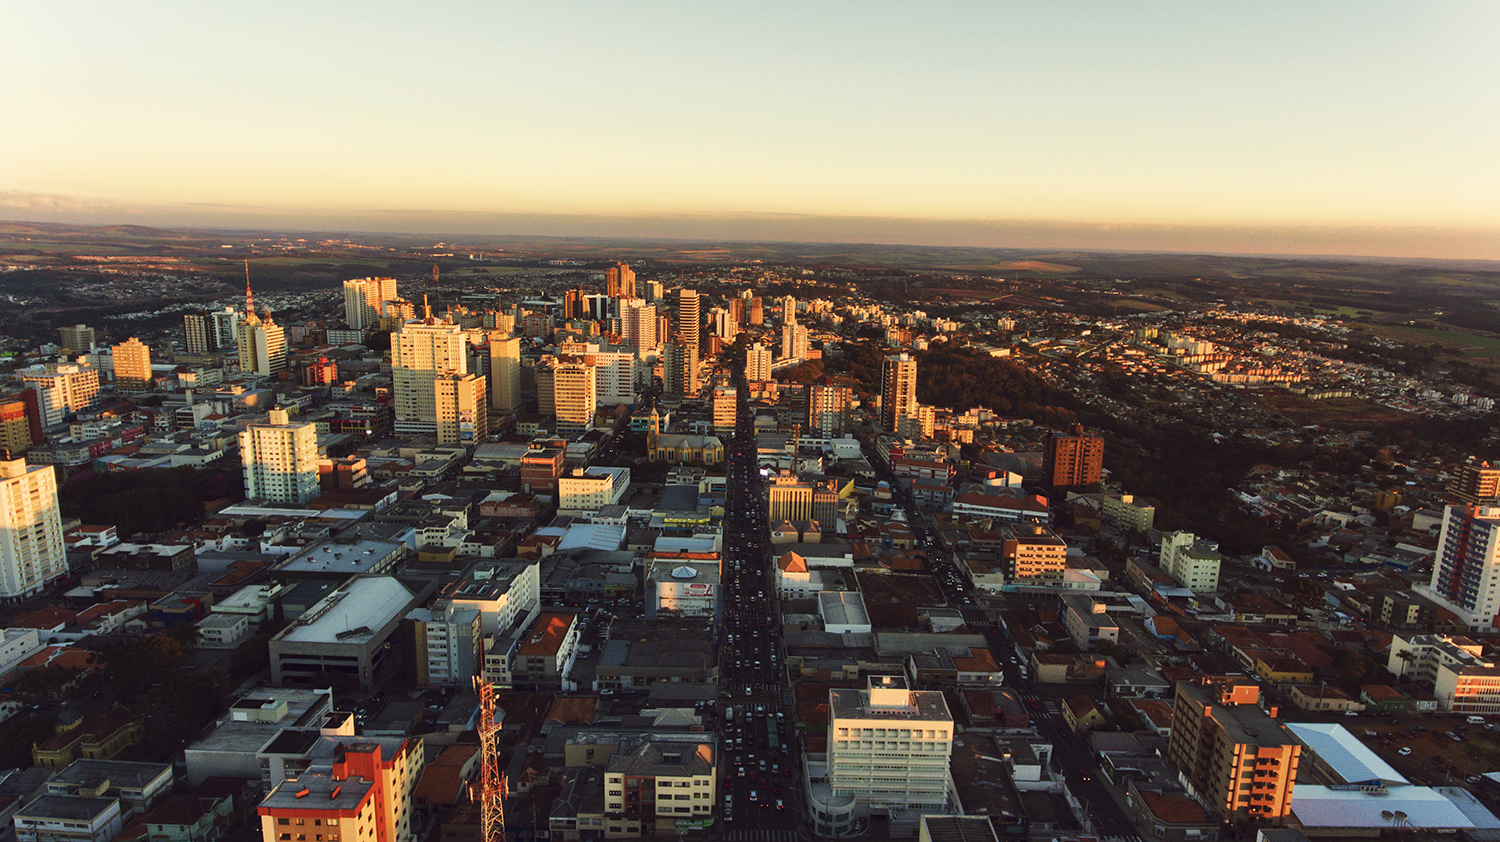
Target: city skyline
<point>1339,129</point>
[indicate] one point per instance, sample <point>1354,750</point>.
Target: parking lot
<point>1419,745</point>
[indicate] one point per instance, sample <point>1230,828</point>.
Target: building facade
<point>1464,568</point>
<point>898,390</point>
<point>1232,755</point>
<point>132,364</point>
<point>32,555</point>
<point>280,460</point>
<point>1075,460</point>
<point>889,748</point>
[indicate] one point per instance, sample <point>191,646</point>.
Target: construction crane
<point>490,792</point>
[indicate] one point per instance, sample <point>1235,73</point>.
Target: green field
<point>1476,344</point>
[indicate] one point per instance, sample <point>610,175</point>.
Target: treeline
<point>962,378</point>
<point>147,501</point>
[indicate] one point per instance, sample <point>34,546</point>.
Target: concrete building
<point>568,391</point>
<point>1230,754</point>
<point>888,751</point>
<point>1464,569</point>
<point>138,786</point>
<point>233,748</point>
<point>132,365</point>
<point>1193,562</point>
<point>280,460</point>
<point>345,633</point>
<point>1123,513</point>
<point>21,422</point>
<point>1033,554</point>
<point>364,301</point>
<point>591,489</point>
<point>460,409</point>
<point>77,339</point>
<point>1087,621</point>
<point>261,344</point>
<point>365,794</point>
<point>545,655</point>
<point>421,353</point>
<point>682,372</point>
<point>444,645</point>
<point>68,818</point>
<point>1461,678</point>
<point>1075,460</point>
<point>1476,482</point>
<point>684,587</point>
<point>62,389</point>
<point>200,333</point>
<point>688,318</point>
<point>898,390</point>
<point>661,788</point>
<point>32,555</point>
<point>505,373</point>
<point>726,409</point>
<point>638,324</point>
<point>757,363</point>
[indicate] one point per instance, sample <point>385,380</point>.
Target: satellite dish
<point>1401,815</point>
<point>1387,815</point>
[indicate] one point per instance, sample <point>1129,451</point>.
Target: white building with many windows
<point>280,460</point>
<point>32,555</point>
<point>591,489</point>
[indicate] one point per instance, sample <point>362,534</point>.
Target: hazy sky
<point>1256,117</point>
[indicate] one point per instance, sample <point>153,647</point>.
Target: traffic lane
<point>1083,778</point>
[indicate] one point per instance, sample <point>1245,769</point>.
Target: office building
<point>888,749</point>
<point>757,363</point>
<point>505,373</point>
<point>1075,460</point>
<point>1192,561</point>
<point>591,489</point>
<point>726,408</point>
<point>1230,754</point>
<point>345,632</point>
<point>460,409</point>
<point>61,389</point>
<point>20,422</point>
<point>280,460</point>
<point>898,389</point>
<point>76,339</point>
<point>364,301</point>
<point>1476,482</point>
<point>31,545</point>
<point>689,316</point>
<point>1464,570</point>
<point>1033,554</point>
<point>132,365</point>
<point>422,352</point>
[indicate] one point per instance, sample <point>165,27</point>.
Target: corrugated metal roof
<point>1349,758</point>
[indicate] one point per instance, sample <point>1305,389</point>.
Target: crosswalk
<point>763,836</point>
<point>1120,838</point>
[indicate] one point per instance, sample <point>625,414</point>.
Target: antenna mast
<point>491,787</point>
<point>249,299</point>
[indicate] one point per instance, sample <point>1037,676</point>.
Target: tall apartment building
<point>226,326</point>
<point>20,422</point>
<point>31,545</point>
<point>1464,570</point>
<point>1032,553</point>
<point>444,645</point>
<point>682,373</point>
<point>567,390</point>
<point>1235,757</point>
<point>200,333</point>
<point>76,339</point>
<point>756,310</point>
<point>460,409</point>
<point>619,281</point>
<point>795,341</point>
<point>364,300</point>
<point>638,324</point>
<point>280,460</point>
<point>726,409</point>
<point>505,373</point>
<point>262,346</point>
<point>1476,482</point>
<point>898,390</point>
<point>1073,461</point>
<point>689,316</point>
<point>422,352</point>
<point>659,788</point>
<point>366,794</point>
<point>132,364</point>
<point>757,363</point>
<point>61,388</point>
<point>1193,562</point>
<point>828,408</point>
<point>889,749</point>
<point>726,326</point>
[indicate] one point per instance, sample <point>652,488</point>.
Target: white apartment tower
<point>31,542</point>
<point>1466,569</point>
<point>421,352</point>
<point>281,460</point>
<point>898,389</point>
<point>889,747</point>
<point>364,299</point>
<point>262,345</point>
<point>638,323</point>
<point>61,388</point>
<point>1192,562</point>
<point>757,363</point>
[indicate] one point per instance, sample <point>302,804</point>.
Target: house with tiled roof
<point>1173,816</point>
<point>1082,714</point>
<point>1385,698</point>
<point>102,737</point>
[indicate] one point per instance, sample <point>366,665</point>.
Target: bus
<point>771,740</point>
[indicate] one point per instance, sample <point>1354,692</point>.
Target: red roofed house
<point>545,655</point>
<point>1173,817</point>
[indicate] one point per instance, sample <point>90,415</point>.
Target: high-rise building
<point>1033,554</point>
<point>20,423</point>
<point>421,352</point>
<point>200,333</point>
<point>619,281</point>
<point>76,339</point>
<point>828,407</point>
<point>1193,562</point>
<point>567,389</point>
<point>898,389</point>
<point>505,372</point>
<point>652,292</point>
<point>1466,569</point>
<point>1075,460</point>
<point>888,749</point>
<point>460,409</point>
<point>757,363</point>
<point>1232,755</point>
<point>262,346</point>
<point>132,364</point>
<point>361,791</point>
<point>757,311</point>
<point>681,371</point>
<point>31,543</point>
<point>726,326</point>
<point>226,327</point>
<point>364,301</point>
<point>688,315</point>
<point>280,460</point>
<point>638,323</point>
<point>61,388</point>
<point>1476,481</point>
<point>726,408</point>
<point>795,341</point>
<point>788,310</point>
<point>444,645</point>
<point>322,372</point>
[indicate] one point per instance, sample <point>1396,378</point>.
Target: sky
<point>1364,127</point>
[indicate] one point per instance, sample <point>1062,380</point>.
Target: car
<point>754,796</point>
<point>1404,751</point>
<point>780,805</point>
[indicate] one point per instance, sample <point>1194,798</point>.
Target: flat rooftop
<point>351,614</point>
<point>339,558</point>
<point>926,705</point>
